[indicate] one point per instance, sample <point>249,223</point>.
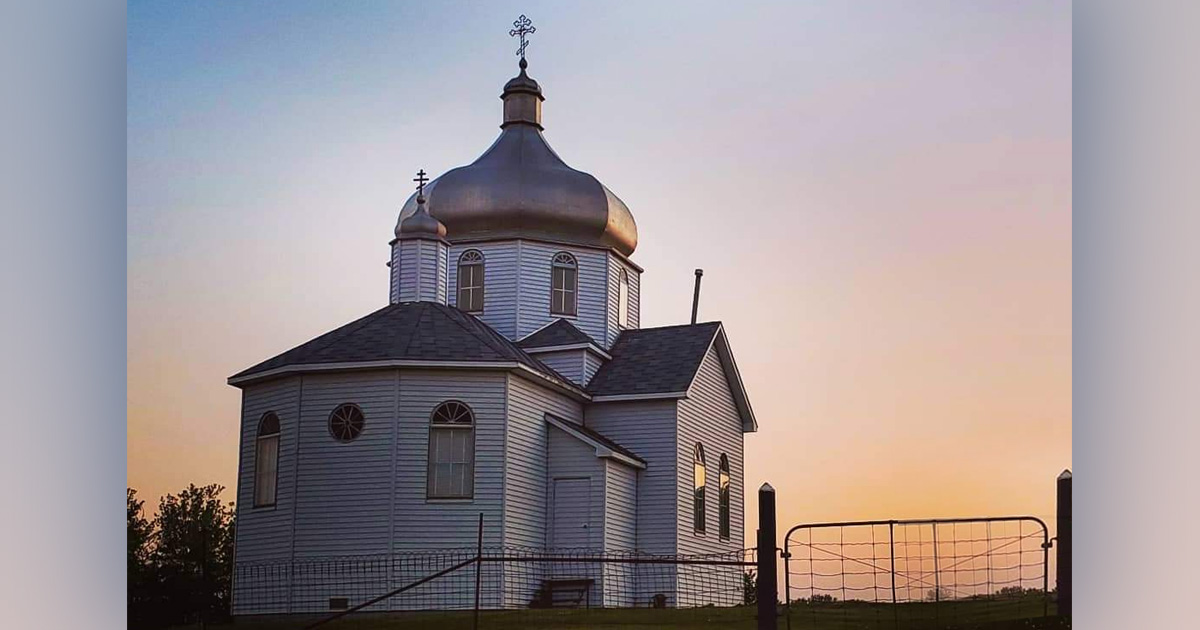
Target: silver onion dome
<point>420,224</point>
<point>520,188</point>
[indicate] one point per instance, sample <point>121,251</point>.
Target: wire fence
<point>892,574</point>
<point>505,586</point>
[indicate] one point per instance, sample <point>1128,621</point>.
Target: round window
<point>346,422</point>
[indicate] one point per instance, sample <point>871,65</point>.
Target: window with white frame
<point>698,474</point>
<point>470,281</point>
<point>723,498</point>
<point>451,472</point>
<point>623,300</point>
<point>266,460</point>
<point>564,284</point>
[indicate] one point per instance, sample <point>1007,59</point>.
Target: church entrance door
<point>572,513</point>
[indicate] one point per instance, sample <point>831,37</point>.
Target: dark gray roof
<point>559,333</point>
<point>592,433</point>
<point>654,360</point>
<point>422,331</point>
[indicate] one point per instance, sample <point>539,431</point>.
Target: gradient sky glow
<point>879,195</point>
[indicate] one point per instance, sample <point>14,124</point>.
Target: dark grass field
<point>1014,614</point>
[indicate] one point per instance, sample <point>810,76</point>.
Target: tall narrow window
<point>564,283</point>
<point>451,452</point>
<point>470,281</point>
<point>623,300</point>
<point>723,498</point>
<point>698,502</point>
<point>266,460</point>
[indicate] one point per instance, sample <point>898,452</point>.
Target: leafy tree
<point>194,550</point>
<point>180,563</point>
<point>139,533</point>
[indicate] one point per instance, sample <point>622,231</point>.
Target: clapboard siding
<point>394,274</point>
<point>534,308</point>
<point>572,458</point>
<point>569,363</point>
<point>614,328</point>
<point>591,363</point>
<point>343,488</point>
<point>526,449</point>
<point>648,429</point>
<point>422,274</point>
<point>709,416</point>
<point>620,507</point>
<point>500,292</point>
<point>422,524</point>
<point>265,533</point>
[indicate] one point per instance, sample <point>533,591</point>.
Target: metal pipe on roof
<point>696,295</point>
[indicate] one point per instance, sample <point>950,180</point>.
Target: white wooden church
<point>508,376</point>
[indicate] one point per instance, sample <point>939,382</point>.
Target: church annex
<point>508,376</point>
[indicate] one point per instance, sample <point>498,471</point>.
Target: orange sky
<point>881,202</point>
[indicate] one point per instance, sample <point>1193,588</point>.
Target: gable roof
<point>654,360</point>
<point>603,445</point>
<point>560,332</point>
<point>662,363</point>
<point>425,332</point>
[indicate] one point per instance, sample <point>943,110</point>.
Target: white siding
<point>422,275</point>
<point>424,524</point>
<point>394,274</point>
<point>613,326</point>
<point>591,363</point>
<point>648,429</point>
<point>620,531</point>
<point>343,488</point>
<point>569,363</point>
<point>500,292</point>
<point>534,311</point>
<point>709,416</point>
<point>526,459</point>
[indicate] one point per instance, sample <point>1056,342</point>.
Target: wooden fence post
<point>767,577</point>
<point>1063,548</point>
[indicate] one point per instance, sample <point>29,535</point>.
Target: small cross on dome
<point>523,27</point>
<point>420,179</point>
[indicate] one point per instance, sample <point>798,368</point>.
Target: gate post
<point>768,580</point>
<point>1063,549</point>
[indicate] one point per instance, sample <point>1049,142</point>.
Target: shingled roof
<point>409,331</point>
<point>654,360</point>
<point>559,333</point>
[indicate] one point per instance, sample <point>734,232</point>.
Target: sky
<point>879,195</point>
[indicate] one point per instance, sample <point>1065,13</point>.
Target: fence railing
<point>495,579</point>
<point>895,573</point>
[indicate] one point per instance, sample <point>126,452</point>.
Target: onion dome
<point>420,224</point>
<point>520,188</point>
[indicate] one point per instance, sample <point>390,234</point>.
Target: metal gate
<point>895,573</point>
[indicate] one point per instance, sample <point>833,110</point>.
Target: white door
<point>572,513</point>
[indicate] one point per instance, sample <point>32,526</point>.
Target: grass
<point>1015,614</point>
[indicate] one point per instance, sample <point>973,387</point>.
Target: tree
<point>193,553</point>
<point>180,563</point>
<point>139,533</point>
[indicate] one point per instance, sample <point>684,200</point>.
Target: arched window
<point>564,284</point>
<point>623,300</point>
<point>698,502</point>
<point>723,498</point>
<point>451,472</point>
<point>266,460</point>
<point>346,422</point>
<point>470,281</point>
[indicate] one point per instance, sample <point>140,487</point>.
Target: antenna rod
<point>696,295</point>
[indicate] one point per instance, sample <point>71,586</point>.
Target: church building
<point>508,376</point>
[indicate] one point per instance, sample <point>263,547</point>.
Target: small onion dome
<point>520,188</point>
<point>420,224</point>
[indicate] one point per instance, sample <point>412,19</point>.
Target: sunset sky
<point>879,195</point>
